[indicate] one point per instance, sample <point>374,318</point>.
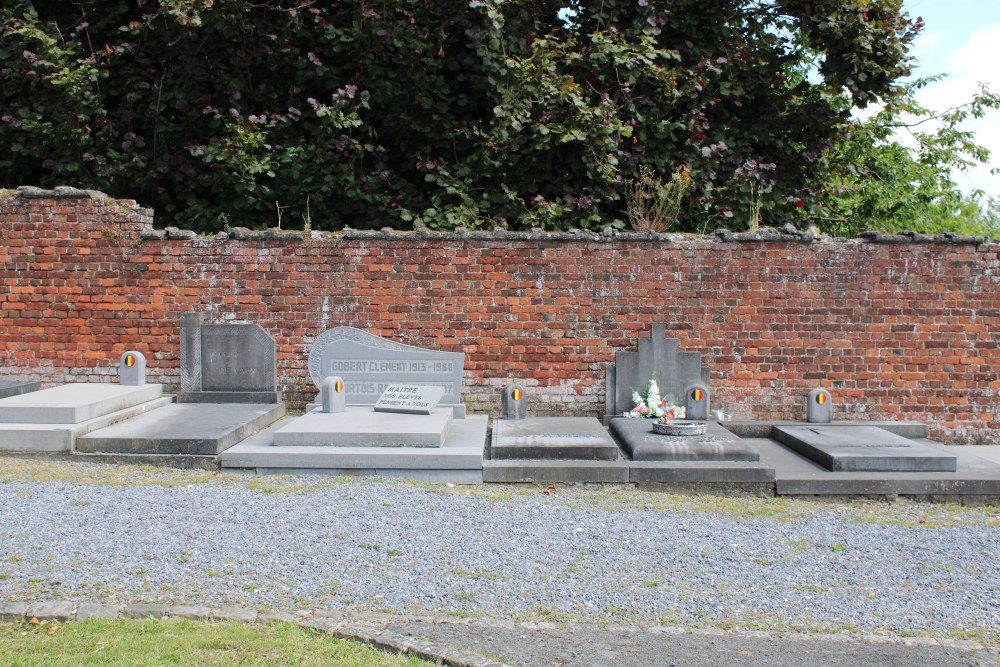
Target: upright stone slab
<point>513,402</point>
<point>132,371</point>
<point>819,407</point>
<point>370,363</point>
<point>660,357</point>
<point>227,363</point>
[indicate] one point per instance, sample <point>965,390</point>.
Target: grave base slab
<point>717,444</point>
<point>552,439</point>
<point>183,428</point>
<point>862,449</point>
<point>74,403</point>
<point>363,427</point>
<point>459,460</point>
<point>263,397</point>
<point>565,472</point>
<point>16,388</point>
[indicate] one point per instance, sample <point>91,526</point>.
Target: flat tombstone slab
<point>369,364</point>
<point>717,444</point>
<point>237,357</point>
<point>74,403</point>
<point>552,439</point>
<point>17,388</point>
<point>863,449</point>
<point>409,399</point>
<point>362,427</point>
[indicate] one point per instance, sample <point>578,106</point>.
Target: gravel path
<point>577,555</point>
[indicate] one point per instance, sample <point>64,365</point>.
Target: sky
<point>961,38</point>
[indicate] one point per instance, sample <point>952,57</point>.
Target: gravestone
<point>696,403</point>
<point>819,407</point>
<point>332,396</point>
<point>656,356</point>
<point>226,363</point>
<point>409,399</point>
<point>850,448</point>
<point>132,371</point>
<point>369,364</point>
<point>513,402</point>
<point>716,444</point>
<point>18,387</point>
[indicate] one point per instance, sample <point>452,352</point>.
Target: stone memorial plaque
<point>237,357</point>
<point>409,399</point>
<point>863,449</point>
<point>369,364</point>
<point>660,357</point>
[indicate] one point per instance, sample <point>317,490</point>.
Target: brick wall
<point>897,327</point>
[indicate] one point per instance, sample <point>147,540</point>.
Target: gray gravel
<point>575,555</point>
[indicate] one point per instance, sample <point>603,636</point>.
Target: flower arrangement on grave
<point>649,404</point>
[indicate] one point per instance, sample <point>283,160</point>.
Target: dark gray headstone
<point>863,449</point>
<point>655,356</point>
<point>190,352</point>
<point>226,363</point>
<point>18,387</point>
<point>637,438</point>
<point>409,399</point>
<point>132,369</point>
<point>696,402</point>
<point>369,364</point>
<point>332,398</point>
<point>819,407</point>
<point>513,402</point>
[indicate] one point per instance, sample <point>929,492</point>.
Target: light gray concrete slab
<point>17,387</point>
<point>552,438</point>
<point>74,403</point>
<point>989,452</point>
<point>183,428</point>
<point>687,472</point>
<point>862,449</point>
<point>461,452</point>
<point>57,438</point>
<point>539,472</point>
<point>363,427</point>
<point>717,444</point>
<point>797,475</point>
<point>762,429</point>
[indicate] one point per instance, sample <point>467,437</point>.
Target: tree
<point>440,112</point>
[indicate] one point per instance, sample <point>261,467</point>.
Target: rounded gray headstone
<point>819,407</point>
<point>513,402</point>
<point>132,369</point>
<point>696,401</point>
<point>332,396</point>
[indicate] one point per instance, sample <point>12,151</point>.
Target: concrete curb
<point>374,629</point>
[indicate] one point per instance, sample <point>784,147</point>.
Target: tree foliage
<point>481,113</point>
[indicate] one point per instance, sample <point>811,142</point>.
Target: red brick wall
<point>896,328</point>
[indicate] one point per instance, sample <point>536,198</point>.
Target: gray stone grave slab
<point>226,363</point>
<point>552,438</point>
<point>17,387</point>
<point>409,399</point>
<point>183,428</point>
<point>362,427</point>
<point>716,444</point>
<point>74,403</point>
<point>369,364</point>
<point>660,357</point>
<point>862,449</point>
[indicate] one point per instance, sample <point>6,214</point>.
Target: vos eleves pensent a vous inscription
<point>369,364</point>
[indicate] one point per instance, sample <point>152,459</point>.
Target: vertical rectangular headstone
<point>190,352</point>
<point>237,358</point>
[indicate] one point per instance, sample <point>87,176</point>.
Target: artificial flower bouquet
<point>649,404</point>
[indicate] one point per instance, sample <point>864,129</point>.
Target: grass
<point>181,642</point>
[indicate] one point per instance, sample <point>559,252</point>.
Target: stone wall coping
<point>786,234</point>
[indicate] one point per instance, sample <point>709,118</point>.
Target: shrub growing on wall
<point>441,113</point>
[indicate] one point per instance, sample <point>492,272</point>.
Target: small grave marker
<point>696,402</point>
<point>332,394</point>
<point>133,369</point>
<point>409,399</point>
<point>513,402</point>
<point>819,407</point>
